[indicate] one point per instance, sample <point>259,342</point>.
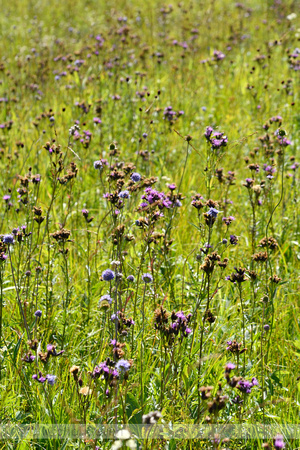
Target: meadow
<point>149,224</point>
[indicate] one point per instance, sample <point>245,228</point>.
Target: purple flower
<point>266,327</point>
<point>233,239</point>
<point>187,331</point>
<point>106,298</point>
<point>97,120</point>
<point>130,278</point>
<point>108,275</point>
<point>8,239</point>
<point>135,177</point>
<point>38,313</point>
<point>278,442</point>
<point>51,379</point>
<point>208,132</point>
<point>123,365</point>
<point>172,186</point>
<point>98,165</point>
<point>40,378</point>
<point>115,317</point>
<point>244,386</point>
<point>229,366</point>
<point>6,197</point>
<point>124,194</point>
<point>147,278</point>
<point>213,212</point>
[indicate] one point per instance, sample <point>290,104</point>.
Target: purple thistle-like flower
<point>6,197</point>
<point>108,275</point>
<point>8,239</point>
<point>136,177</point>
<point>233,239</point>
<point>40,378</point>
<point>38,313</point>
<point>208,132</point>
<point>229,366</point>
<point>187,331</point>
<point>123,365</point>
<point>147,278</point>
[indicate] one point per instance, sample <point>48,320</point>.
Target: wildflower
<point>108,275</point>
<point>238,276</point>
<point>40,378</point>
<point>136,177</point>
<point>124,194</point>
<point>229,367</point>
<point>130,278</point>
<point>123,365</point>
<point>98,165</point>
<point>147,278</point>
<point>51,379</point>
<point>213,212</point>
<point>38,313</point>
<point>29,358</point>
<point>8,239</point>
<point>278,442</point>
<point>233,239</point>
<point>85,391</point>
<point>106,298</point>
<point>248,183</point>
<point>228,220</point>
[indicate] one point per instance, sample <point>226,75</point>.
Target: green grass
<point>138,61</point>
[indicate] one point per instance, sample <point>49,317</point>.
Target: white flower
<point>116,445</point>
<point>123,435</point>
<point>131,444</point>
<point>291,16</point>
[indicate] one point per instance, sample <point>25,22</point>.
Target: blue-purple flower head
<point>108,275</point>
<point>38,313</point>
<point>8,239</point>
<point>114,316</point>
<point>213,212</point>
<point>130,278</point>
<point>124,194</point>
<point>51,379</point>
<point>123,365</point>
<point>147,278</point>
<point>98,165</point>
<point>136,177</point>
<point>106,298</point>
